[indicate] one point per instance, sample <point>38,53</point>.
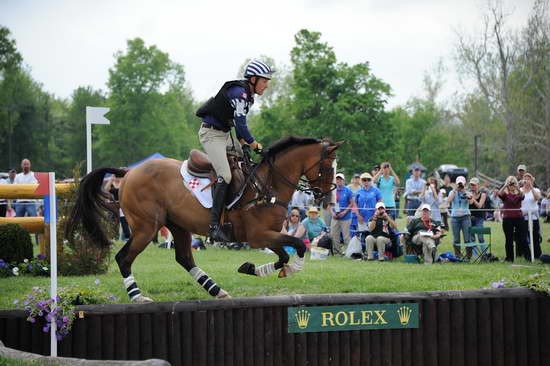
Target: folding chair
<point>486,231</point>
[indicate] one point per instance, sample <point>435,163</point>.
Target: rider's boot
<point>215,231</point>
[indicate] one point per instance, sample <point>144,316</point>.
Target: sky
<point>71,43</point>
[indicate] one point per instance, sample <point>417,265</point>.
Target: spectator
<point>521,169</point>
<point>386,180</point>
<point>3,202</point>
<point>512,218</point>
<point>341,214</point>
<point>355,184</point>
<point>413,189</point>
<point>375,170</point>
<point>25,207</point>
<point>529,204</point>
<point>379,227</point>
<point>366,199</point>
<point>497,204</point>
<point>314,225</point>
<point>476,205</point>
<point>425,233</point>
<point>292,225</point>
<point>300,200</point>
<point>433,196</point>
<point>460,216</point>
<point>112,186</point>
<point>545,207</point>
<point>446,188</point>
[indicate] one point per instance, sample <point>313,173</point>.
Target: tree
<point>151,108</point>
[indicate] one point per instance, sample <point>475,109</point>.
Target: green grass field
<point>161,278</point>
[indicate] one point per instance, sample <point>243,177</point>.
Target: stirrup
<point>216,233</point>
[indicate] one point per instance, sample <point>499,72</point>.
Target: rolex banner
<point>352,317</point>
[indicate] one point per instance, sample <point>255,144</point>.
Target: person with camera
<point>512,218</point>
<point>386,180</point>
<point>459,199</point>
<point>379,227</point>
<point>477,203</point>
<point>530,205</point>
<point>425,232</point>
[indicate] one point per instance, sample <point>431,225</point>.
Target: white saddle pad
<point>196,185</point>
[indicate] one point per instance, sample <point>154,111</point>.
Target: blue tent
<point>154,156</point>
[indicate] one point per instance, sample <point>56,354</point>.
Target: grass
<point>161,278</point>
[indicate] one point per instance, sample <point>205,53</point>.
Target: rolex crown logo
<point>404,313</point>
<point>302,317</point>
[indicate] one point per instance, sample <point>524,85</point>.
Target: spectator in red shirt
<point>512,218</point>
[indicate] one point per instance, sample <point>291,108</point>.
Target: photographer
<point>433,196</point>
<point>512,218</point>
<point>379,227</point>
<point>460,215</point>
<point>386,179</point>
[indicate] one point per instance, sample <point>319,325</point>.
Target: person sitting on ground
<point>292,225</point>
<point>313,224</point>
<point>387,180</point>
<point>379,227</point>
<point>425,232</point>
<point>512,218</point>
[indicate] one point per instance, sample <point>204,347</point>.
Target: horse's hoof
<point>142,299</point>
<point>247,268</point>
<point>282,272</point>
<point>223,295</point>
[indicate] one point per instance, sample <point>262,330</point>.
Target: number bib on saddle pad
<point>196,185</point>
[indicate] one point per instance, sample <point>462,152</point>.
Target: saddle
<point>199,165</point>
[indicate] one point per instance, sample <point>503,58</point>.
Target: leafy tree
<point>150,107</point>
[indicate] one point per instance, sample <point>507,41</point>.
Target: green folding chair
<point>486,232</point>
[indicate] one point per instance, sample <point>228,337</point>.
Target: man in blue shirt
<point>219,114</point>
<point>366,199</point>
<point>413,190</point>
<point>341,214</point>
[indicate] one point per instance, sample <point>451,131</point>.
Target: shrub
<point>15,243</point>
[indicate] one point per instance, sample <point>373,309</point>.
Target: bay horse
<point>153,195</point>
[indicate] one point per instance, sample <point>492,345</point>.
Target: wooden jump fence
<point>474,327</point>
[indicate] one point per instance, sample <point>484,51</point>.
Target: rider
<point>229,109</point>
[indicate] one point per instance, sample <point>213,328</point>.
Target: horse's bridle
<point>325,174</point>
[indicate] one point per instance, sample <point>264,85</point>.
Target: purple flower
<point>65,319</point>
<point>32,320</point>
<point>58,336</point>
<point>498,284</point>
<point>46,329</point>
<point>29,267</point>
<point>41,256</point>
<point>97,282</point>
<point>15,301</point>
<point>26,302</point>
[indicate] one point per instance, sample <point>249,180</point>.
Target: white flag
<point>96,115</point>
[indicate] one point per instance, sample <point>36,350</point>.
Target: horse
<point>153,195</point>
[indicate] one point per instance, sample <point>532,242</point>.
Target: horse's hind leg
<point>126,256</point>
<point>184,256</point>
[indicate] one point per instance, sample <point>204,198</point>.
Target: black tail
<point>91,206</point>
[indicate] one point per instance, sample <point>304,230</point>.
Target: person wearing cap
<point>375,170</point>
<point>476,205</point>
<point>366,199</point>
<point>512,219</point>
<point>413,190</point>
<point>459,199</point>
<point>355,184</point>
<point>532,196</point>
<point>425,232</point>
<point>386,180</point>
<point>314,225</point>
<point>433,196</point>
<point>341,214</point>
<point>379,227</point>
<point>521,169</point>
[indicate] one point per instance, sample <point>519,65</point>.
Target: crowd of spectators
<point>368,207</point>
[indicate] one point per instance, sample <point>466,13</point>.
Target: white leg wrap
<point>206,282</point>
<point>295,266</point>
<point>196,273</point>
<point>265,270</point>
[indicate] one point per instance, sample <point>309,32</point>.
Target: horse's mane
<point>288,142</point>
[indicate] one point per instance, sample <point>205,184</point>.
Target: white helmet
<point>257,68</point>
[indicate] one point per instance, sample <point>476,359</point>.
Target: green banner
<point>352,317</point>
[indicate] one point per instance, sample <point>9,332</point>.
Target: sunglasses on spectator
<point>294,215</point>
<point>366,179</point>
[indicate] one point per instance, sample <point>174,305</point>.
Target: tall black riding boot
<point>216,232</point>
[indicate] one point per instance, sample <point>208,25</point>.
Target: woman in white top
<point>530,205</point>
<point>433,196</point>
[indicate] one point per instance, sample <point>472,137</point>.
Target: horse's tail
<point>91,204</point>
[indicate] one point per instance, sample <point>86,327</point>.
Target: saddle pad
<point>196,185</point>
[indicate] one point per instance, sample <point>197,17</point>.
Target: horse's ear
<point>336,145</point>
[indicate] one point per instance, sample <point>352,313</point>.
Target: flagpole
<point>88,147</point>
<point>94,115</point>
<point>53,263</point>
